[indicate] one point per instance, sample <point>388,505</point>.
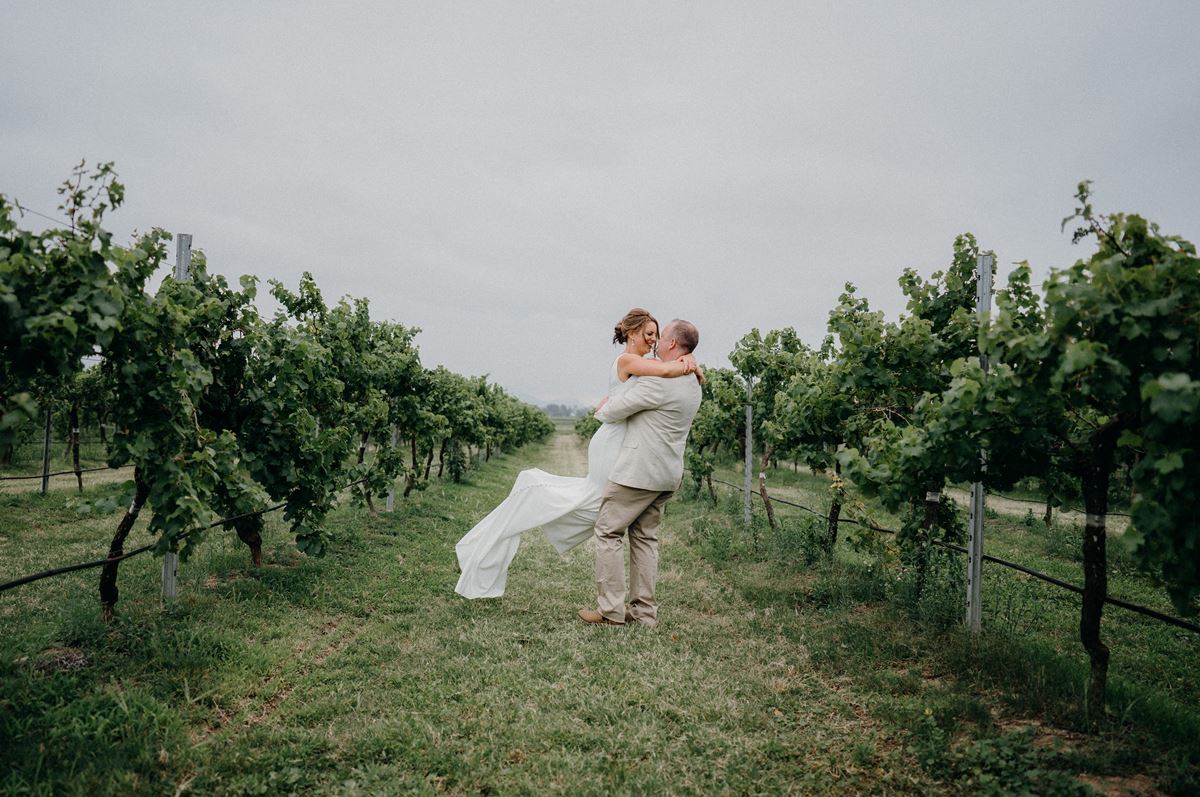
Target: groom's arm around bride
<point>659,415</point>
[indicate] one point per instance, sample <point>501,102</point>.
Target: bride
<point>564,506</point>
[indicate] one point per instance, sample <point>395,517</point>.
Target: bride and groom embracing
<point>635,463</point>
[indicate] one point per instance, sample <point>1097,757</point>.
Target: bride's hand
<point>699,374</point>
<point>689,363</point>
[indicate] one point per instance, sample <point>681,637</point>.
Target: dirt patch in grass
<point>293,680</point>
<point>1045,735</point>
<point>224,718</point>
<point>285,556</point>
<point>1122,785</point>
<point>60,659</point>
<point>212,581</point>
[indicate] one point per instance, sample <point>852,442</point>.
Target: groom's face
<point>665,339</point>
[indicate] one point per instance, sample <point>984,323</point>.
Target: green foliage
<point>220,410</point>
<point>162,370</point>
<point>1164,511</point>
<point>1099,379</point>
<point>799,541</point>
<point>894,372</point>
<point>62,292</point>
<point>587,424</point>
<point>698,466</point>
<point>456,460</point>
<point>813,416</point>
<point>1106,373</point>
<point>929,587</point>
<point>373,381</point>
<point>721,419</point>
<point>770,361</point>
<point>1006,764</point>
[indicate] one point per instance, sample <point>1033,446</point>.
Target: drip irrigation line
<point>1029,571</point>
<point>174,540</point>
<point>63,473</point>
<point>101,562</point>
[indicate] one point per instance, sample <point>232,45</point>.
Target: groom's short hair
<point>685,334</point>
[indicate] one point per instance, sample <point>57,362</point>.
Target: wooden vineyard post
<point>983,296</point>
<point>46,454</point>
<point>749,449</point>
<point>170,563</point>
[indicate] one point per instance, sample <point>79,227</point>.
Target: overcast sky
<point>512,177</point>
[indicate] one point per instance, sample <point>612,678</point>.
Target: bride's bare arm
<point>632,365</point>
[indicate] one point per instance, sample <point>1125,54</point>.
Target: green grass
<point>27,455</point>
<point>1025,674</point>
<point>772,670</point>
<point>363,673</point>
<point>1160,655</point>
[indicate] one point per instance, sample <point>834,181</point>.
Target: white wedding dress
<point>564,506</point>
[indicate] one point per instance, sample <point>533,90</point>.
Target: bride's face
<point>646,338</point>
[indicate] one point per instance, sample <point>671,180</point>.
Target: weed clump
<point>995,765</point>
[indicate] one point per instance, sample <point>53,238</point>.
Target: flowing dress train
<point>564,506</point>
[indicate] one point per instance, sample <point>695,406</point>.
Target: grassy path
<point>432,692</point>
<point>363,673</point>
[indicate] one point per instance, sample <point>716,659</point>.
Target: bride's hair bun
<point>634,320</point>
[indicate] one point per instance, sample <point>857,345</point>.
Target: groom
<point>648,470</point>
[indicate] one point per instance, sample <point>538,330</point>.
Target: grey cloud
<point>513,177</point>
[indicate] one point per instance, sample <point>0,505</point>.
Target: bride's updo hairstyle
<point>634,320</point>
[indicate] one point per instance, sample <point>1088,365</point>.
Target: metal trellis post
<point>391,496</point>
<point>749,446</point>
<point>183,268</point>
<point>983,296</point>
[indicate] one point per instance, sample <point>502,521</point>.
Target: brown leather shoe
<point>593,617</point>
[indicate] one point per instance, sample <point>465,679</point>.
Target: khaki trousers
<point>639,511</point>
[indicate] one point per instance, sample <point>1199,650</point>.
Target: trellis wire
<point>83,442</point>
<point>174,540</point>
<point>64,472</point>
<point>1078,510</point>
<point>1049,579</point>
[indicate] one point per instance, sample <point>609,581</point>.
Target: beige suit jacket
<point>659,414</point>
